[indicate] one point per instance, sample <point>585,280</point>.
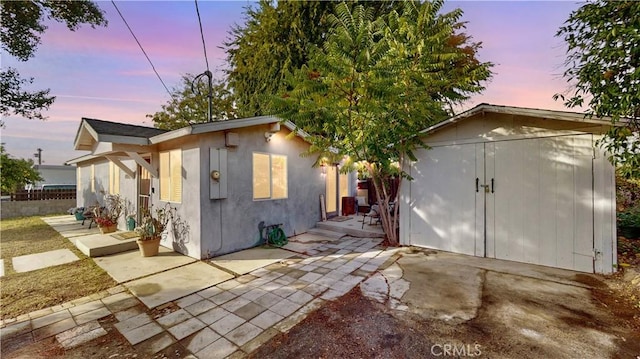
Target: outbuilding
<point>519,184</point>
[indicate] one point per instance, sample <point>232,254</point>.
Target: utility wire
<point>141,48</point>
<point>202,35</point>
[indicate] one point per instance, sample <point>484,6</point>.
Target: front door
<point>144,191</point>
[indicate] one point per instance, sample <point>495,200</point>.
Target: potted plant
<point>629,223</point>
<point>151,227</point>
<point>107,217</point>
<point>131,222</point>
<point>78,212</point>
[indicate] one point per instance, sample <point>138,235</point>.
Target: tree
<point>16,173</point>
<point>376,83</point>
<point>275,41</point>
<point>187,106</point>
<point>20,31</point>
<point>15,99</point>
<point>603,66</point>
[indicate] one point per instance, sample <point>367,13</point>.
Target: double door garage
<point>540,200</point>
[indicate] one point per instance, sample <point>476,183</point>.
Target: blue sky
<point>101,73</point>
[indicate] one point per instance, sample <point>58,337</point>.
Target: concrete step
<point>326,233</point>
<point>99,245</point>
<point>353,230</point>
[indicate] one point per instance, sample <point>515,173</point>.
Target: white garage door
<point>537,208</point>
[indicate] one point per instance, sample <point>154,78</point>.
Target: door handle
<point>492,185</point>
<point>477,184</point>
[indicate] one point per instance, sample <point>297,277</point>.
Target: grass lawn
<point>22,293</point>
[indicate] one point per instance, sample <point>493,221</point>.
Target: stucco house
<point>520,184</point>
<point>223,178</point>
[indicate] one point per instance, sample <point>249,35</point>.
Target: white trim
<point>218,126</point>
<point>122,166</point>
<point>144,164</point>
<point>541,134</point>
<point>519,111</point>
<point>125,140</point>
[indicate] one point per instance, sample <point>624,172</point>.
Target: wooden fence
<point>41,195</point>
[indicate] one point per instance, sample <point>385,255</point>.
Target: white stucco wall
<point>56,174</point>
<point>231,224</point>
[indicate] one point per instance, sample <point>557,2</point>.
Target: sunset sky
<point>101,73</point>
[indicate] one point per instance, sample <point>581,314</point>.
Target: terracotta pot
<point>108,229</point>
<point>150,247</point>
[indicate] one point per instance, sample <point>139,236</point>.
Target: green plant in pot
<point>150,229</point>
<point>107,217</point>
<point>629,223</point>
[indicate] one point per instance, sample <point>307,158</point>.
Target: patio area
<point>228,305</point>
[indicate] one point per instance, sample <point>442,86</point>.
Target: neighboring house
<point>224,178</point>
<point>512,183</point>
<point>55,175</point>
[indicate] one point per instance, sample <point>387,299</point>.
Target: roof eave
<point>519,111</point>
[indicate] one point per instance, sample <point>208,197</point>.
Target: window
<point>269,176</point>
<point>114,178</point>
<point>171,176</point>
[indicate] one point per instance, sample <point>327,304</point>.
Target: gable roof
<point>93,130</point>
<point>122,129</point>
<point>519,111</point>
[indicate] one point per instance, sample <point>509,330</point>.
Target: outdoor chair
<point>363,206</point>
<point>89,214</point>
<point>374,213</point>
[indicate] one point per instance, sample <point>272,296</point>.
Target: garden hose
<point>276,237</point>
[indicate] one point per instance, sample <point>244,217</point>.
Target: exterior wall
<point>496,127</point>
<point>231,224</point>
<point>87,197</point>
<point>56,174</point>
<point>187,242</point>
<point>35,208</point>
<point>128,192</point>
<point>604,216</point>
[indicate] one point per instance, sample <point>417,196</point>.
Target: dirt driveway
<point>430,304</point>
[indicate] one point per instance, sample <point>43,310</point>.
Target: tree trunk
<point>388,216</point>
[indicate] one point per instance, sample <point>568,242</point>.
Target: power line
<point>141,48</point>
<point>202,35</point>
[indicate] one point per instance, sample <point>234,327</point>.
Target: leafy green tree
<point>20,31</point>
<point>377,82</point>
<point>15,99</point>
<point>275,41</point>
<point>189,105</point>
<point>16,173</point>
<point>603,67</point>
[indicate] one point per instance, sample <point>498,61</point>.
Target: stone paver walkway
<point>231,318</point>
<point>36,261</point>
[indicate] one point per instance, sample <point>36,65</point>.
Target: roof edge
<point>521,111</point>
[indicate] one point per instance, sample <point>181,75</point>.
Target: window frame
<point>171,174</point>
<point>271,176</point>
<point>114,179</point>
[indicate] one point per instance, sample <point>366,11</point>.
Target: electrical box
<point>231,139</point>
<point>218,173</point>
